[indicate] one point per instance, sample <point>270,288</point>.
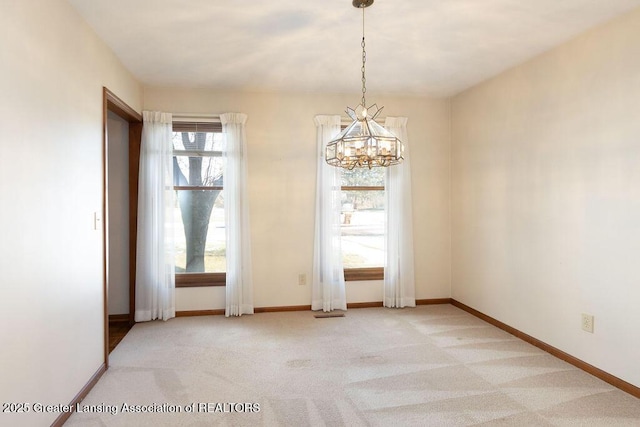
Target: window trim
<point>363,273</point>
<point>197,280</point>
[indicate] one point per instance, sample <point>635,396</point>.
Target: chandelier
<point>364,143</point>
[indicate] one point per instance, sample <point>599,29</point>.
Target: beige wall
<point>282,169</point>
<point>51,310</point>
<point>546,197</point>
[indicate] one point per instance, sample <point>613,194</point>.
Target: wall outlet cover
<point>587,322</point>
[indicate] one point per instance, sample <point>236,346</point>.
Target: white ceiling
<point>421,47</point>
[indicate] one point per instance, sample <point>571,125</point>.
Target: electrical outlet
<point>587,322</point>
<point>302,279</point>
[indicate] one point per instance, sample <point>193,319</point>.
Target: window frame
<point>196,280</point>
<point>363,273</point>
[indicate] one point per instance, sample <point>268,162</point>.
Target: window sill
<point>197,280</point>
<point>358,274</point>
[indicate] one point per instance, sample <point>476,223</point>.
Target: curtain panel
<point>239,284</point>
<point>399,276</point>
<point>155,261</point>
<point>328,285</point>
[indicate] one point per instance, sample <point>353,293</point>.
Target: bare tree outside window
<point>199,182</point>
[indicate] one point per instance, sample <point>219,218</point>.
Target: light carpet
<point>430,366</point>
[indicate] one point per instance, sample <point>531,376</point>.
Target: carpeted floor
<point>432,365</point>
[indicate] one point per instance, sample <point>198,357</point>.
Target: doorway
<point>121,155</point>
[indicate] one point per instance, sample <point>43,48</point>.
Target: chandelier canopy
<point>364,143</point>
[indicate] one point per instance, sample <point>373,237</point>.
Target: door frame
<point>114,104</point>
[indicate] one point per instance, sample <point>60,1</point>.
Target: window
<point>199,219</point>
<point>363,223</point>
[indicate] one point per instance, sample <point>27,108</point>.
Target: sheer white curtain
<point>328,289</point>
<point>399,277</point>
<point>239,285</point>
<point>155,262</point>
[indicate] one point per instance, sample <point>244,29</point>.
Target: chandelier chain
<point>364,143</point>
<point>364,60</point>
